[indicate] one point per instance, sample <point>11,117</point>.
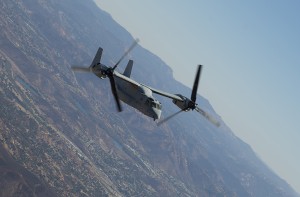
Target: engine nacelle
<point>186,104</point>
<point>100,70</point>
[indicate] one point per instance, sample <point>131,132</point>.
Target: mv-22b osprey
<point>139,95</point>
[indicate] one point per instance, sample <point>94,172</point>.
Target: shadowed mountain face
<point>61,135</point>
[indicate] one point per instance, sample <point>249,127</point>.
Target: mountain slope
<point>60,134</point>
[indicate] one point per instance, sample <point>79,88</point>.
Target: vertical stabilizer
<point>97,57</point>
<point>128,69</point>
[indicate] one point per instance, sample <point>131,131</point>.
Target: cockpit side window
<point>159,106</point>
<point>153,104</point>
<point>156,105</point>
<point>149,101</point>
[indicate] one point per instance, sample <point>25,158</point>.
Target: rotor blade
<point>207,116</point>
<point>196,82</point>
<point>169,117</point>
<point>115,93</point>
<point>80,69</point>
<point>126,53</point>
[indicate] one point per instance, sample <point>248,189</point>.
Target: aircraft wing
<point>126,78</point>
<point>162,93</point>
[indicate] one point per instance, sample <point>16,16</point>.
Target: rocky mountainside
<point>61,135</point>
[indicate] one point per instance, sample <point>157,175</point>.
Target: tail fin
<point>97,57</point>
<point>128,69</point>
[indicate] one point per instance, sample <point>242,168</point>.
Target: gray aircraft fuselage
<point>137,96</point>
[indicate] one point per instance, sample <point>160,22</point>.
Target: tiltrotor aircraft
<point>139,95</point>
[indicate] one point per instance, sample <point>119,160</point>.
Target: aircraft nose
<point>156,113</point>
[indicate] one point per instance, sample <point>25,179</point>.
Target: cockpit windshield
<point>154,104</point>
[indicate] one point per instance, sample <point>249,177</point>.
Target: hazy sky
<point>251,56</point>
